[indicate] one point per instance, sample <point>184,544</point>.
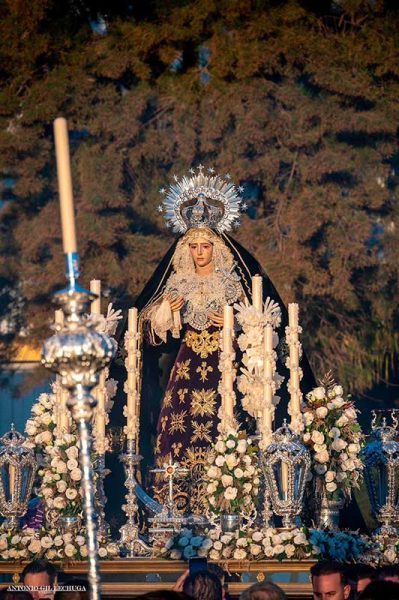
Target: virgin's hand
<point>176,303</point>
<point>216,319</point>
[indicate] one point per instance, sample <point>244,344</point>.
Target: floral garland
<point>252,544</point>
<point>232,475</point>
<point>334,438</point>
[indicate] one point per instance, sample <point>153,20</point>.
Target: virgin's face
<point>202,252</point>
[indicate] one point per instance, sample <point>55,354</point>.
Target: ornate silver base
<point>130,540</point>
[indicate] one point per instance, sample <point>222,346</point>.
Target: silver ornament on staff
<point>77,352</point>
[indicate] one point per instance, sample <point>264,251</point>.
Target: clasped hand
<point>176,303</point>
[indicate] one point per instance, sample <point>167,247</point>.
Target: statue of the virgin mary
<point>181,315</point>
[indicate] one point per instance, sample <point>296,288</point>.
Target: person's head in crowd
<point>329,581</point>
<point>381,590</point>
<point>203,586</point>
<point>220,573</point>
<point>40,573</point>
<point>74,589</point>
<point>163,595</point>
<point>6,594</point>
<point>361,575</point>
<point>389,573</point>
<point>263,591</point>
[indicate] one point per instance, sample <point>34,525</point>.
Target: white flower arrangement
<point>29,544</point>
<point>252,545</point>
<point>334,438</point>
<point>232,476</point>
<point>251,343</point>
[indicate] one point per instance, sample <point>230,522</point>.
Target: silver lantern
<point>17,473</point>
<point>285,464</point>
<point>381,469</point>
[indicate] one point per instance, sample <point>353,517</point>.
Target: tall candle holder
<point>77,353</point>
<point>130,539</point>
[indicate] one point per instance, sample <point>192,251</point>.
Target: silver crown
<point>202,200</point>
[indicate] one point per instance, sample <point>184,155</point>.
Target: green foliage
<point>300,105</point>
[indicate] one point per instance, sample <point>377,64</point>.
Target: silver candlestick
<point>77,352</point>
<point>130,539</point>
<point>100,497</point>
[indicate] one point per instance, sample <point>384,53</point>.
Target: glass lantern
<point>285,464</point>
<point>381,470</point>
<point>17,473</point>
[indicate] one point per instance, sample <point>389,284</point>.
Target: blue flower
<point>189,552</point>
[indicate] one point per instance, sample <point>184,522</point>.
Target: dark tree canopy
<point>299,101</point>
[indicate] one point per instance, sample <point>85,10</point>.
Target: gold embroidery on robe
<point>182,392</point>
<point>203,402</point>
<point>177,422</point>
<point>202,431</point>
<point>167,401</point>
<point>176,447</point>
<point>164,420</point>
<point>203,370</point>
<point>203,343</point>
<point>183,369</point>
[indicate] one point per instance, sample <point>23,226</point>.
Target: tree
<point>300,105</point>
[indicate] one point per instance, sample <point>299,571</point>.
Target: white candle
<point>95,288</point>
<point>257,291</point>
<point>100,415</point>
<point>295,392</point>
<point>268,409</point>
<point>228,378</point>
<point>131,364</point>
<point>65,185</point>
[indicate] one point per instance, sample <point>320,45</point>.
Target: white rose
<point>71,493</point>
<point>342,421</point>
<point>227,480</point>
<point>239,473</point>
<point>317,437</point>
<point>331,487</point>
<point>47,492</point>
<point>15,539</point>
<point>255,549</point>
<point>341,477</point>
<point>46,541</point>
<point>80,540</point>
<point>58,541</point>
<point>83,551</point>
<point>35,546</point>
<point>217,545</point>
<point>220,460</point>
<point>279,549</point>
<point>242,446</point>
<point>246,459</point>
<point>46,418</point>
<point>239,554</point>
<point>61,467</point>
<point>51,554</point>
<point>290,550</point>
<point>300,539</point>
<point>276,539</point>
<point>59,502</point>
<point>247,487</point>
<point>72,464</point>
<point>211,488</point>
<point>306,437</point>
<point>70,550</point>
<point>309,417</point>
<point>350,465</point>
<point>337,402</point>
<point>353,448</point>
<point>230,444</point>
<point>72,452</point>
<point>76,475</point>
<point>213,555</point>
<point>102,552</point>
<point>226,539</point>
<point>230,493</point>
<point>318,393</point>
<point>338,444</point>
<point>322,457</point>
<point>220,447</point>
<point>61,486</point>
<point>31,428</point>
<point>231,461</point>
<point>390,555</point>
<point>334,432</point>
<point>338,391</point>
<point>321,412</point>
<point>319,447</point>
<point>37,409</point>
<point>250,470</point>
<point>350,414</point>
<point>257,536</point>
<point>214,472</point>
<point>46,437</point>
<point>242,542</point>
<point>330,476</point>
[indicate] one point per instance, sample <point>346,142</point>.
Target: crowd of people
<point>330,581</point>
